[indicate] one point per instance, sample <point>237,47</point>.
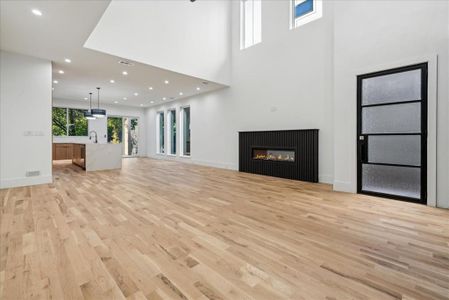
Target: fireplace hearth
<point>289,154</point>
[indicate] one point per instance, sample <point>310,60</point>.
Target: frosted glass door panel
<point>395,149</point>
<point>398,118</point>
<point>401,181</point>
<point>398,87</point>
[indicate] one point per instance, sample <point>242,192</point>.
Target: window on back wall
<point>69,122</point>
<point>250,23</point>
<point>160,135</point>
<point>185,131</point>
<point>304,11</point>
<point>172,131</point>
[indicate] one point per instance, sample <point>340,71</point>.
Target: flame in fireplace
<point>274,155</point>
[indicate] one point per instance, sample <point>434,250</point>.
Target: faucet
<point>96,136</point>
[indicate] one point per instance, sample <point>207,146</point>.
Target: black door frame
<point>362,147</point>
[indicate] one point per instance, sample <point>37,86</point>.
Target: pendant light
<point>98,112</point>
<point>88,113</point>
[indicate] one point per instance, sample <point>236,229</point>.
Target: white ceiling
<point>61,32</point>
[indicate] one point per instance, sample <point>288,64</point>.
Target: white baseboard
<point>344,186</point>
<point>24,181</point>
<point>329,179</point>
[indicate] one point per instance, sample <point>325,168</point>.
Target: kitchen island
<point>90,156</point>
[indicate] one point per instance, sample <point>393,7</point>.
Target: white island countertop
<point>103,156</point>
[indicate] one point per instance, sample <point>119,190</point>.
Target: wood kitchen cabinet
<point>62,151</point>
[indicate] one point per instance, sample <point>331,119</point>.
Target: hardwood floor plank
<point>167,230</point>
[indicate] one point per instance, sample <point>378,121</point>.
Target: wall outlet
<point>32,173</point>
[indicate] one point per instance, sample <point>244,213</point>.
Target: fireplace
<point>274,154</point>
<point>289,154</point>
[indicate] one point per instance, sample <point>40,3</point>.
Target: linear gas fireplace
<point>289,154</point>
<point>274,154</point>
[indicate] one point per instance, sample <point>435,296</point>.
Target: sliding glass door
<point>125,131</point>
<point>130,136</point>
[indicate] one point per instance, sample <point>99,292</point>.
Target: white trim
<point>25,181</point>
<point>432,102</point>
<point>315,14</point>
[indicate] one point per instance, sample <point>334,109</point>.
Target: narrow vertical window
<point>185,135</point>
<point>250,23</point>
<point>304,11</point>
<point>172,131</point>
<point>160,133</point>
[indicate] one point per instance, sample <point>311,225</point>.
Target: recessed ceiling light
<point>125,73</point>
<point>85,98</point>
<point>198,88</point>
<point>55,81</point>
<point>163,99</point>
<point>181,93</point>
<point>61,72</point>
<point>112,81</point>
<point>150,88</point>
<point>141,104</point>
<point>68,60</point>
<point>36,12</point>
<point>124,98</point>
<point>151,102</point>
<point>136,94</point>
<point>166,82</point>
<point>115,102</point>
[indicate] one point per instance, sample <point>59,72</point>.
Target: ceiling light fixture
<point>141,104</point>
<point>36,12</point>
<point>166,82</point>
<point>198,88</point>
<point>125,73</point>
<point>98,112</point>
<point>181,93</point>
<point>163,99</point>
<point>150,88</point>
<point>151,102</point>
<point>68,60</point>
<point>136,94</point>
<point>61,72</point>
<point>55,81</point>
<point>85,98</point>
<point>88,113</point>
<point>112,81</point>
<point>124,98</point>
<point>115,102</point>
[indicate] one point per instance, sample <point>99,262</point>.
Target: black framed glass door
<point>392,133</point>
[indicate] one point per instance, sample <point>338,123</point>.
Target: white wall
<point>169,34</point>
<point>25,120</point>
<point>306,78</point>
<point>100,125</point>
<point>283,83</point>
<point>373,35</point>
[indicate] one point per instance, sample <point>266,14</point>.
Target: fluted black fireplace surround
<point>291,154</point>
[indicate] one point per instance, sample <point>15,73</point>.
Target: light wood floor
<point>165,230</point>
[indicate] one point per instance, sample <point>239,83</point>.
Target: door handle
<point>363,148</point>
